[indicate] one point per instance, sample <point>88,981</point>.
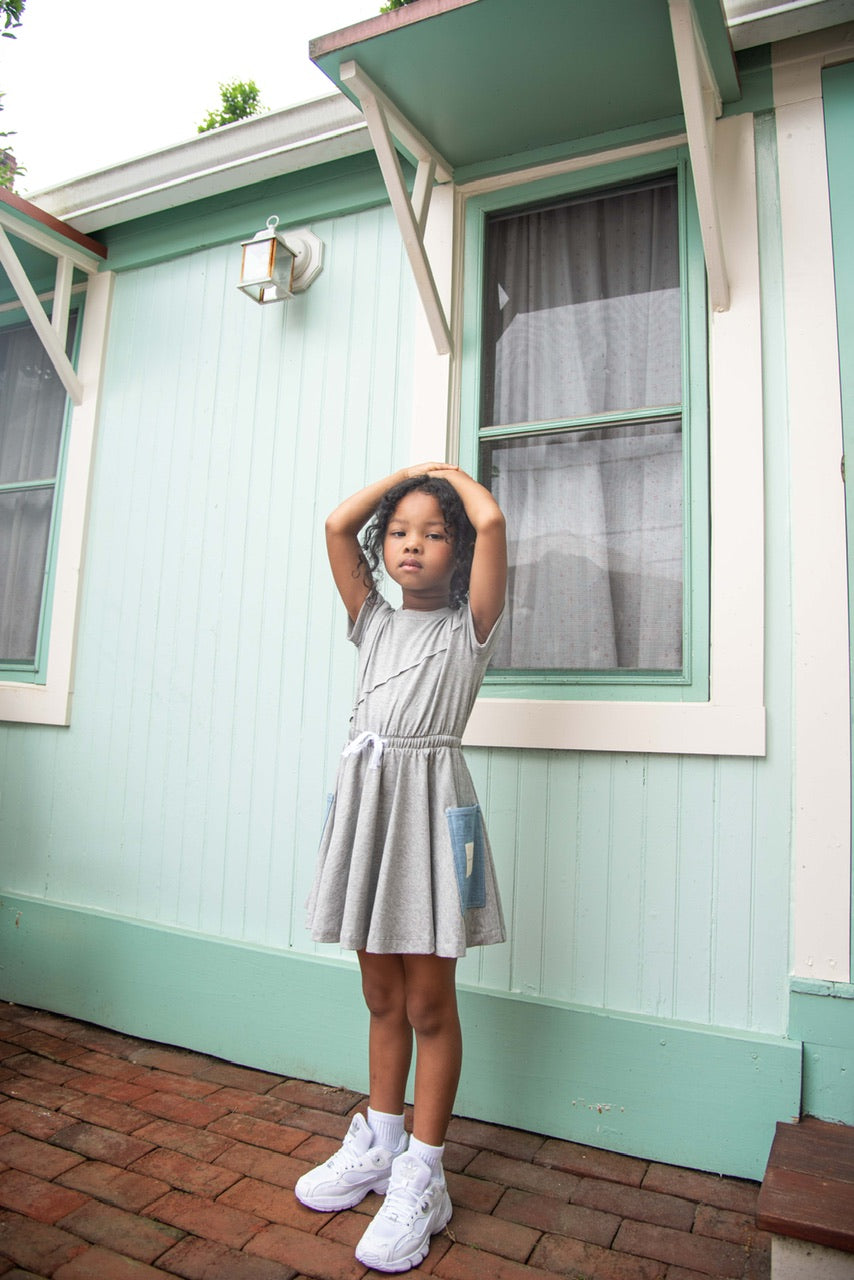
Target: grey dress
<point>405,864</point>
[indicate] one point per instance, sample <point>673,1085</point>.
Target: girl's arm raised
<point>346,558</point>
<point>488,583</point>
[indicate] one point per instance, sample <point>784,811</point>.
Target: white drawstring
<point>367,739</point>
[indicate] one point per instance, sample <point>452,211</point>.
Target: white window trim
<point>732,722</point>
<point>821,747</point>
<point>50,702</point>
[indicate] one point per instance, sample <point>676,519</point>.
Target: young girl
<point>405,874</point>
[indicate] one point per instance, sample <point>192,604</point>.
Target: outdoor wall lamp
<point>275,266</point>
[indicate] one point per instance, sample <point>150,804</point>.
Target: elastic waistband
<point>377,744</point>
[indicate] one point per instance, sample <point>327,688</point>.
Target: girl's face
<point>418,551</point>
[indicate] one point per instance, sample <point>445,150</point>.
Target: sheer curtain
<point>582,319</point>
<point>32,408</point>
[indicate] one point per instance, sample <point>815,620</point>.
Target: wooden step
<point>808,1188</point>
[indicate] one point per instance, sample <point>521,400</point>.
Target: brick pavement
<point>126,1160</point>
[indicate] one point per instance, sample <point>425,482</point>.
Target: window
<point>592,350</point>
<point>33,414</point>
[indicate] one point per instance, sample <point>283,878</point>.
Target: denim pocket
<point>466,829</point>
<point>330,800</point>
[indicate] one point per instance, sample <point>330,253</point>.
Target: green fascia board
<point>674,1092</point>
<point>349,185</point>
<point>496,78</point>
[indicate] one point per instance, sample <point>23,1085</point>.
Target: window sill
<point>672,728</point>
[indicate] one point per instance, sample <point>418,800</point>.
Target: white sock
<point>431,1156</point>
<point>387,1129</point>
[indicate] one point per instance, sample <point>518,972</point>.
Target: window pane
<point>582,308</point>
<point>32,407</point>
<point>24,528</point>
<point>595,540</point>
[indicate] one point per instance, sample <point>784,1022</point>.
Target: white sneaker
<point>355,1169</point>
<point>417,1205</point>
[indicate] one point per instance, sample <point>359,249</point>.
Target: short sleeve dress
<point>405,865</point>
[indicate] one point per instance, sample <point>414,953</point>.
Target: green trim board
<point>344,186</point>
<point>678,1093</point>
<point>822,1016</point>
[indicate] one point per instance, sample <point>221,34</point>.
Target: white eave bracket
<point>387,126</point>
<point>701,105</point>
<point>52,332</point>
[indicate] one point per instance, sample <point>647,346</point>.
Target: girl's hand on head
<point>424,468</point>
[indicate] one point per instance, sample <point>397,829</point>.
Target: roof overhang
<point>489,80</point>
<point>463,85</point>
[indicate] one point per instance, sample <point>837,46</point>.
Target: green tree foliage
<point>11,12</point>
<point>239,100</point>
<point>393,4</point>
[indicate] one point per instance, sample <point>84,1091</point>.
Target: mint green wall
<point>211,699</point>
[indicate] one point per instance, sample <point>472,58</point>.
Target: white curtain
<point>32,407</point>
<point>582,319</point>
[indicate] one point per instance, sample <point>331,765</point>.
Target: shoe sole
<point>416,1258</point>
<point>323,1205</point>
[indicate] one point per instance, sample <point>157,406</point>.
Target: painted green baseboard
<point>822,1016</point>
<point>682,1094</point>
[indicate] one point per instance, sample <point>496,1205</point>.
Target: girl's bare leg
<point>390,1038</point>
<point>431,1010</point>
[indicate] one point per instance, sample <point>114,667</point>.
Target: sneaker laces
<point>405,1197</point>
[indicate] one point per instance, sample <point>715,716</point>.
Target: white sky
<point>88,85</point>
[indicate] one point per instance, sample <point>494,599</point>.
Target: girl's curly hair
<point>458,528</point>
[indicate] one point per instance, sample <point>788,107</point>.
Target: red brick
<point>163,1058</point>
<point>723,1193</point>
<point>522,1174</point>
<point>228,1073</point>
<point>35,1121</point>
<point>43,1201</point>
<point>36,1246</point>
<point>493,1235</point>
<point>578,1258</point>
<point>31,1064</point>
<point>51,1096</point>
<point>259,1133</point>
<point>323,1122</point>
<point>107,1113</point>
<point>630,1202</point>
<point>41,1020</point>
<point>47,1045</point>
<point>204,1260</point>
<point>103,1264</point>
<point>546,1214</point>
<point>740,1228</point>
<point>714,1257</point>
<point>121,1187</point>
<point>103,1086</point>
<point>101,1144</point>
<point>184,1086</point>
<point>275,1204</point>
<point>456,1157</point>
<point>473,1193</point>
<point>180,1171</point>
<point>125,1233</point>
<point>320,1097</point>
<point>462,1263</point>
<point>102,1064</point>
<point>102,1040</point>
<point>590,1162</point>
<point>214,1221</point>
<point>491,1137</point>
<point>260,1162</point>
<point>192,1111</point>
<point>311,1254</point>
<point>197,1143</point>
<point>254,1104</point>
<point>40,1158</point>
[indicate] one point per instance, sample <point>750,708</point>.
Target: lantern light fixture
<point>276,265</point>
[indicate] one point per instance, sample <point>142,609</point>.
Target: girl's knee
<point>383,987</point>
<point>431,1013</point>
